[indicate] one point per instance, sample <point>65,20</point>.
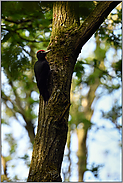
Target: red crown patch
<point>40,50</point>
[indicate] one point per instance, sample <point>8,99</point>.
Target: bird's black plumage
<point>42,72</point>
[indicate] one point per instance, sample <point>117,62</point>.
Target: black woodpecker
<point>42,72</point>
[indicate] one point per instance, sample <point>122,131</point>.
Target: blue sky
<point>103,146</point>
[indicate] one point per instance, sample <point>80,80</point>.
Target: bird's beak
<point>47,51</point>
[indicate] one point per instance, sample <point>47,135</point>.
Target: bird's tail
<point>46,97</point>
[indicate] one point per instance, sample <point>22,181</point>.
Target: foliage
<point>108,29</point>
<point>25,30</point>
<point>95,69</point>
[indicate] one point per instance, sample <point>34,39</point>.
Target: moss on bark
<point>52,129</point>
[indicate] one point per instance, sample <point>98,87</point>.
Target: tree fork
<point>93,21</point>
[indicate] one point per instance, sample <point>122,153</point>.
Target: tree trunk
<point>52,130</point>
<point>82,152</point>
<point>82,132</point>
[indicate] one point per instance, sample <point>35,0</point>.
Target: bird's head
<point>42,53</point>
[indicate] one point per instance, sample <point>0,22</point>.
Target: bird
<point>42,72</point>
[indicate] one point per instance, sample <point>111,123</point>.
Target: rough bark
<point>52,130</point>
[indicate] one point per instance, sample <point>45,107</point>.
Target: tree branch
<point>18,109</point>
<point>104,71</point>
<point>93,21</point>
<point>16,22</point>
<point>23,38</point>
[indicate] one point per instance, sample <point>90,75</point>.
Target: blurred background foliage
<point>25,28</point>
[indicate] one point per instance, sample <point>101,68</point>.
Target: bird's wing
<point>41,70</point>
